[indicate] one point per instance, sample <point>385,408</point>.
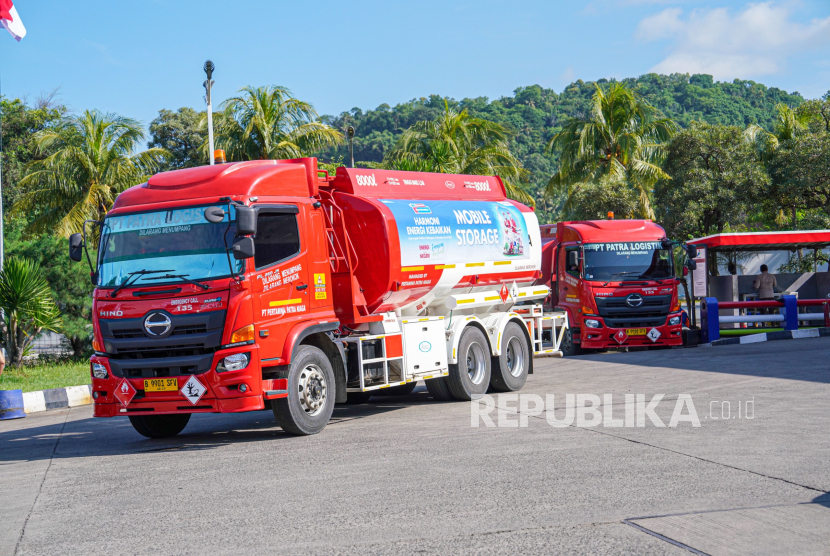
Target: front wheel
<point>159,426</point>
<point>568,347</point>
<point>510,368</point>
<point>310,401</point>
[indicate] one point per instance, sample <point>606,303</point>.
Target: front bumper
<point>222,390</point>
<point>603,338</point>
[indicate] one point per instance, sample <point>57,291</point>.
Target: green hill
<point>535,113</point>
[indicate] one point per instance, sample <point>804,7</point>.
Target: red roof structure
<point>765,241</point>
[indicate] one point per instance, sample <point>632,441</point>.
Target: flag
<point>10,20</point>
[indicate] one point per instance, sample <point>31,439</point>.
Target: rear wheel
<point>509,370</point>
<point>310,401</point>
<point>159,426</point>
<point>439,389</point>
<point>469,379</point>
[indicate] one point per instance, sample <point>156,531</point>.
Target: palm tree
<point>789,124</point>
<point>92,160</point>
<point>268,123</point>
<point>28,307</point>
<point>457,143</point>
<point>622,137</point>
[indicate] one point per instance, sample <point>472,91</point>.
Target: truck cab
<point>616,281</point>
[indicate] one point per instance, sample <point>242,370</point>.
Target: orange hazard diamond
<point>504,293</point>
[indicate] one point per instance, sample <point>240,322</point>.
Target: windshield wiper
<point>127,282</point>
<point>182,277</point>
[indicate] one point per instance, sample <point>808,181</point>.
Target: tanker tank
<point>421,237</point>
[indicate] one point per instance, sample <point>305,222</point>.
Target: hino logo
<point>112,313</point>
<point>634,300</point>
<point>157,324</point>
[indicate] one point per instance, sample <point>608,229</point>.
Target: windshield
<point>180,241</point>
<point>627,261</point>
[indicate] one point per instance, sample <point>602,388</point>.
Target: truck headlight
<point>233,362</point>
<point>674,321</point>
<point>99,371</point>
<point>591,323</point>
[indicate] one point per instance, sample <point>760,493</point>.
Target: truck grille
<point>188,349</point>
<point>617,314</point>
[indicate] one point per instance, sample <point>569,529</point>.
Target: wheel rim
<point>515,357</point>
<point>312,389</point>
<point>475,363</point>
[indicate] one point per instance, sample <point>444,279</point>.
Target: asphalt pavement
<point>408,475</point>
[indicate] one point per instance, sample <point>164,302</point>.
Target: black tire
<point>568,347</point>
<point>469,379</point>
<point>400,390</point>
<point>159,426</point>
<point>311,393</point>
<point>439,389</point>
<point>357,398</point>
<point>509,370</point>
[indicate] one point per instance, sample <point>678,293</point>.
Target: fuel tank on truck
<point>420,237</point>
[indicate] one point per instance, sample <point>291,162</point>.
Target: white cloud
<point>755,41</point>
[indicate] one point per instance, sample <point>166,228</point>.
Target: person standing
<point>765,283</point>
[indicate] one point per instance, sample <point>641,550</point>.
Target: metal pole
<point>210,129</point>
<point>350,133</point>
<point>209,67</point>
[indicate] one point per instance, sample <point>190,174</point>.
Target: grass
<point>45,375</point>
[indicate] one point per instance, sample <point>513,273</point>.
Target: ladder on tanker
<point>343,261</point>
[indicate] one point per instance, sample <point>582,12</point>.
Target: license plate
<point>633,332</point>
<point>161,385</point>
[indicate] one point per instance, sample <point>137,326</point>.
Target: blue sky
<point>135,58</point>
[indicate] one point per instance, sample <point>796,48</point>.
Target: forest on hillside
<point>534,114</point>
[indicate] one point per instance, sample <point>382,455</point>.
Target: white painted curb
<point>57,398</point>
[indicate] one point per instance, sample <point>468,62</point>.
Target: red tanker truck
<point>231,287</point>
<point>615,279</point>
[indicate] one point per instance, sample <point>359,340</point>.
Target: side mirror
<point>691,250</point>
<point>243,248</point>
<point>76,247</point>
<point>573,260</point>
<point>214,215</point>
<point>691,265</point>
<point>665,243</point>
<point>245,221</point>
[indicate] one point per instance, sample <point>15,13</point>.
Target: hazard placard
<point>124,392</point>
<point>653,334</point>
<point>193,390</point>
<point>621,336</point>
<point>504,293</point>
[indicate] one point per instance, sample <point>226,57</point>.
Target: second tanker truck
<point>225,288</point>
<point>616,281</point>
